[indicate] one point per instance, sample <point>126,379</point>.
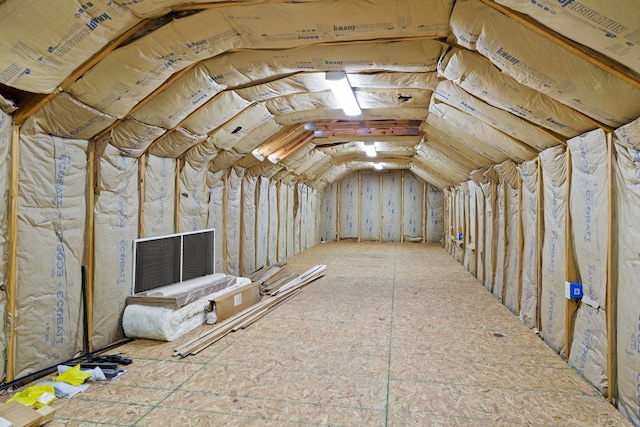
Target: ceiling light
<point>257,155</point>
<point>370,149</point>
<point>377,166</point>
<point>342,90</point>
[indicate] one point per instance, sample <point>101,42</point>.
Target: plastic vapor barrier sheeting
<point>116,227</point>
<point>434,214</point>
<point>159,206</point>
<point>5,145</point>
<point>232,212</point>
<point>248,233</point>
<point>554,259</point>
<point>588,210</point>
<point>391,197</point>
<point>50,248</point>
<point>194,199</point>
<point>413,202</point>
<point>349,206</point>
<point>329,212</point>
<point>272,252</point>
<point>529,207</point>
<point>262,222</point>
<point>370,206</point>
<point>282,220</point>
<point>217,186</point>
<point>627,267</point>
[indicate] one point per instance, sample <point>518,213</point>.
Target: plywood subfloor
<point>393,335</point>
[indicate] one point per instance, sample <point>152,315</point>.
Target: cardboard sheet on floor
<point>529,220</point>
<point>589,213</point>
<point>50,249</point>
<point>627,267</point>
<point>554,199</point>
<point>531,58</point>
<point>116,227</point>
<point>6,127</point>
<point>232,212</point>
<point>160,189</point>
<point>216,186</point>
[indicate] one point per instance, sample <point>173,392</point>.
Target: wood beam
<point>571,46</point>
<point>12,243</point>
<point>37,103</point>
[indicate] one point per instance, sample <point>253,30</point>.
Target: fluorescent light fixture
<point>370,149</point>
<point>273,159</point>
<point>257,155</point>
<point>309,126</point>
<point>377,166</point>
<point>342,90</point>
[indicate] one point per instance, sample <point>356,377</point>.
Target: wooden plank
<point>279,283</point>
<point>611,292</point>
<point>593,58</point>
<point>20,415</point>
<point>91,241</point>
<point>142,162</point>
<point>571,274</point>
<point>12,248</point>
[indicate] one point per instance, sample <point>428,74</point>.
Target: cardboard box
<point>229,303</point>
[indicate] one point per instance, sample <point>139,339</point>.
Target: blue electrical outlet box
<point>459,236</point>
<point>572,290</point>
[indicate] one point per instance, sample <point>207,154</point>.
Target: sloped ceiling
<point>446,88</point>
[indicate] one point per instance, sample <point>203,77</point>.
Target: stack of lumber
<point>249,315</point>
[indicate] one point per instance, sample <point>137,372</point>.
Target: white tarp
<point>194,199</point>
<point>5,145</point>
<point>262,222</point>
<point>160,193</point>
<point>413,201</point>
<point>434,213</point>
<point>370,205</point>
<point>38,56</point>
<point>248,228</point>
<point>589,213</point>
<point>50,250</point>
<point>329,212</point>
<point>116,227</point>
<point>479,77</point>
<point>626,269</point>
<point>391,198</point>
<point>272,252</point>
<point>216,185</point>
<point>349,206</point>
<point>612,31</point>
<point>554,266</point>
<point>529,219</point>
<point>232,212</point>
<point>532,60</point>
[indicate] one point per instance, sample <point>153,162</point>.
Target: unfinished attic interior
<point>504,135</point>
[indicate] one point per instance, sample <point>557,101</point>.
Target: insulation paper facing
<point>329,212</point>
<point>116,227</point>
<point>370,205</point>
<point>529,207</point>
<point>412,206</point>
<point>50,248</point>
<point>216,186</point>
<point>627,268</point>
<point>434,214</point>
<point>5,145</point>
<point>194,199</point>
<point>554,198</point>
<point>349,207</point>
<point>232,212</point>
<point>160,188</point>
<point>588,210</point>
<point>272,250</point>
<point>282,221</point>
<point>262,222</point>
<point>248,230</point>
<point>391,200</point>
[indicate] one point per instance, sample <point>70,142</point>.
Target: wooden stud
<point>561,41</point>
<point>571,274</point>
<point>91,202</point>
<point>176,214</point>
<point>12,243</point>
<point>539,237</point>
<point>142,163</point>
<point>611,292</point>
<point>37,104</point>
<point>402,206</point>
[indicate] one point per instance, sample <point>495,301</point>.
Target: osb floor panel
<point>393,335</point>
